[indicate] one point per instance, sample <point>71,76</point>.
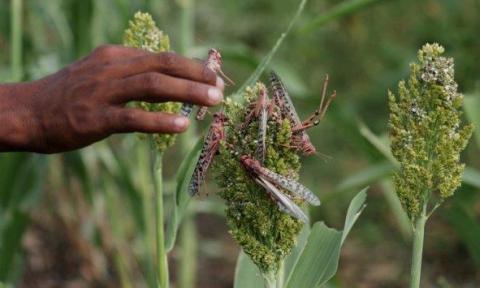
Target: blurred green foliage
<point>365,53</point>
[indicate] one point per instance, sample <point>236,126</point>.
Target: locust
<point>215,134</point>
<point>272,181</point>
<point>281,98</point>
<point>261,109</point>
<point>214,63</point>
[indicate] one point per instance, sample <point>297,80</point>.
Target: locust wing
<point>283,100</point>
<point>291,185</point>
<point>262,133</point>
<point>210,147</point>
<point>283,202</point>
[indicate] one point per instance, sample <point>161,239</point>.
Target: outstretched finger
<point>126,120</point>
<point>167,63</point>
<point>157,87</point>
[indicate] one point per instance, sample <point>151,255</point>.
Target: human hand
<point>85,102</point>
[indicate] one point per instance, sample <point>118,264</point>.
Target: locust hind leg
<point>319,113</point>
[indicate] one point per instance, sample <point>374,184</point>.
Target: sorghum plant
<point>144,34</point>
<point>427,137</point>
<point>266,233</point>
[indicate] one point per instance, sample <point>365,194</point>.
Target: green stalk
<point>186,25</point>
<point>187,264</point>
<point>162,260</point>
<point>118,234</point>
<point>270,280</point>
<point>148,214</point>
<point>16,7</point>
<point>188,244</point>
<point>417,252</point>
<point>281,275</point>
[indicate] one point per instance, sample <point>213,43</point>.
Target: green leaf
<point>318,259</point>
<point>297,250</point>
<point>471,177</point>
<point>366,176</point>
<point>467,228</point>
<point>266,60</point>
<point>247,274</point>
<point>472,110</point>
<point>343,9</point>
<point>10,240</point>
<point>354,210</point>
<point>75,163</point>
<point>119,169</point>
<point>318,262</point>
<point>26,175</point>
<point>380,143</point>
<point>396,208</point>
<point>182,197</point>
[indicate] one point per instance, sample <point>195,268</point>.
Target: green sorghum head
<point>426,131</point>
<point>265,233</point>
<point>144,34</point>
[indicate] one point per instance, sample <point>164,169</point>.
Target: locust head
<point>250,164</point>
<point>214,56</point>
<point>219,118</point>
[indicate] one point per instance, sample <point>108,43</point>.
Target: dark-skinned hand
<point>85,102</point>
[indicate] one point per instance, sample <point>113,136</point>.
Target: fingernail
<point>180,122</point>
<point>220,83</point>
<point>215,95</point>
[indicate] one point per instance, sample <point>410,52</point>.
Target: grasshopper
<point>281,98</point>
<point>260,109</point>
<point>271,181</point>
<point>214,63</point>
<point>215,134</point>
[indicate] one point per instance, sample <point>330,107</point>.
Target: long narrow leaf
<point>354,210</point>
<point>472,110</point>
<point>343,9</point>
<point>266,60</point>
<point>10,242</point>
<point>320,253</point>
<point>247,274</point>
<point>382,145</point>
<point>471,177</point>
<point>297,251</point>
<point>467,228</point>
<point>181,197</point>
<point>366,176</point>
<point>318,262</point>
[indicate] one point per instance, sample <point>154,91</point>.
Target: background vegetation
<point>78,218</point>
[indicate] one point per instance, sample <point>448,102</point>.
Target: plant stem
<point>188,244</point>
<point>270,280</point>
<point>162,261</point>
<point>417,252</point>
<point>187,265</point>
<point>187,25</point>
<point>16,7</point>
<point>143,174</point>
<point>281,275</point>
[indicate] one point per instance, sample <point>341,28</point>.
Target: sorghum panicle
<point>143,33</point>
<point>265,233</point>
<point>426,131</point>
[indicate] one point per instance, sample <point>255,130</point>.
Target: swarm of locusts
<point>253,149</point>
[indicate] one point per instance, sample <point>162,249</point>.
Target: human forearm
<point>18,124</point>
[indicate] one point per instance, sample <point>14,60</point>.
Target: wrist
<point>18,123</point>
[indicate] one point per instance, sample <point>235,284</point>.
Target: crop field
<point>345,152</point>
